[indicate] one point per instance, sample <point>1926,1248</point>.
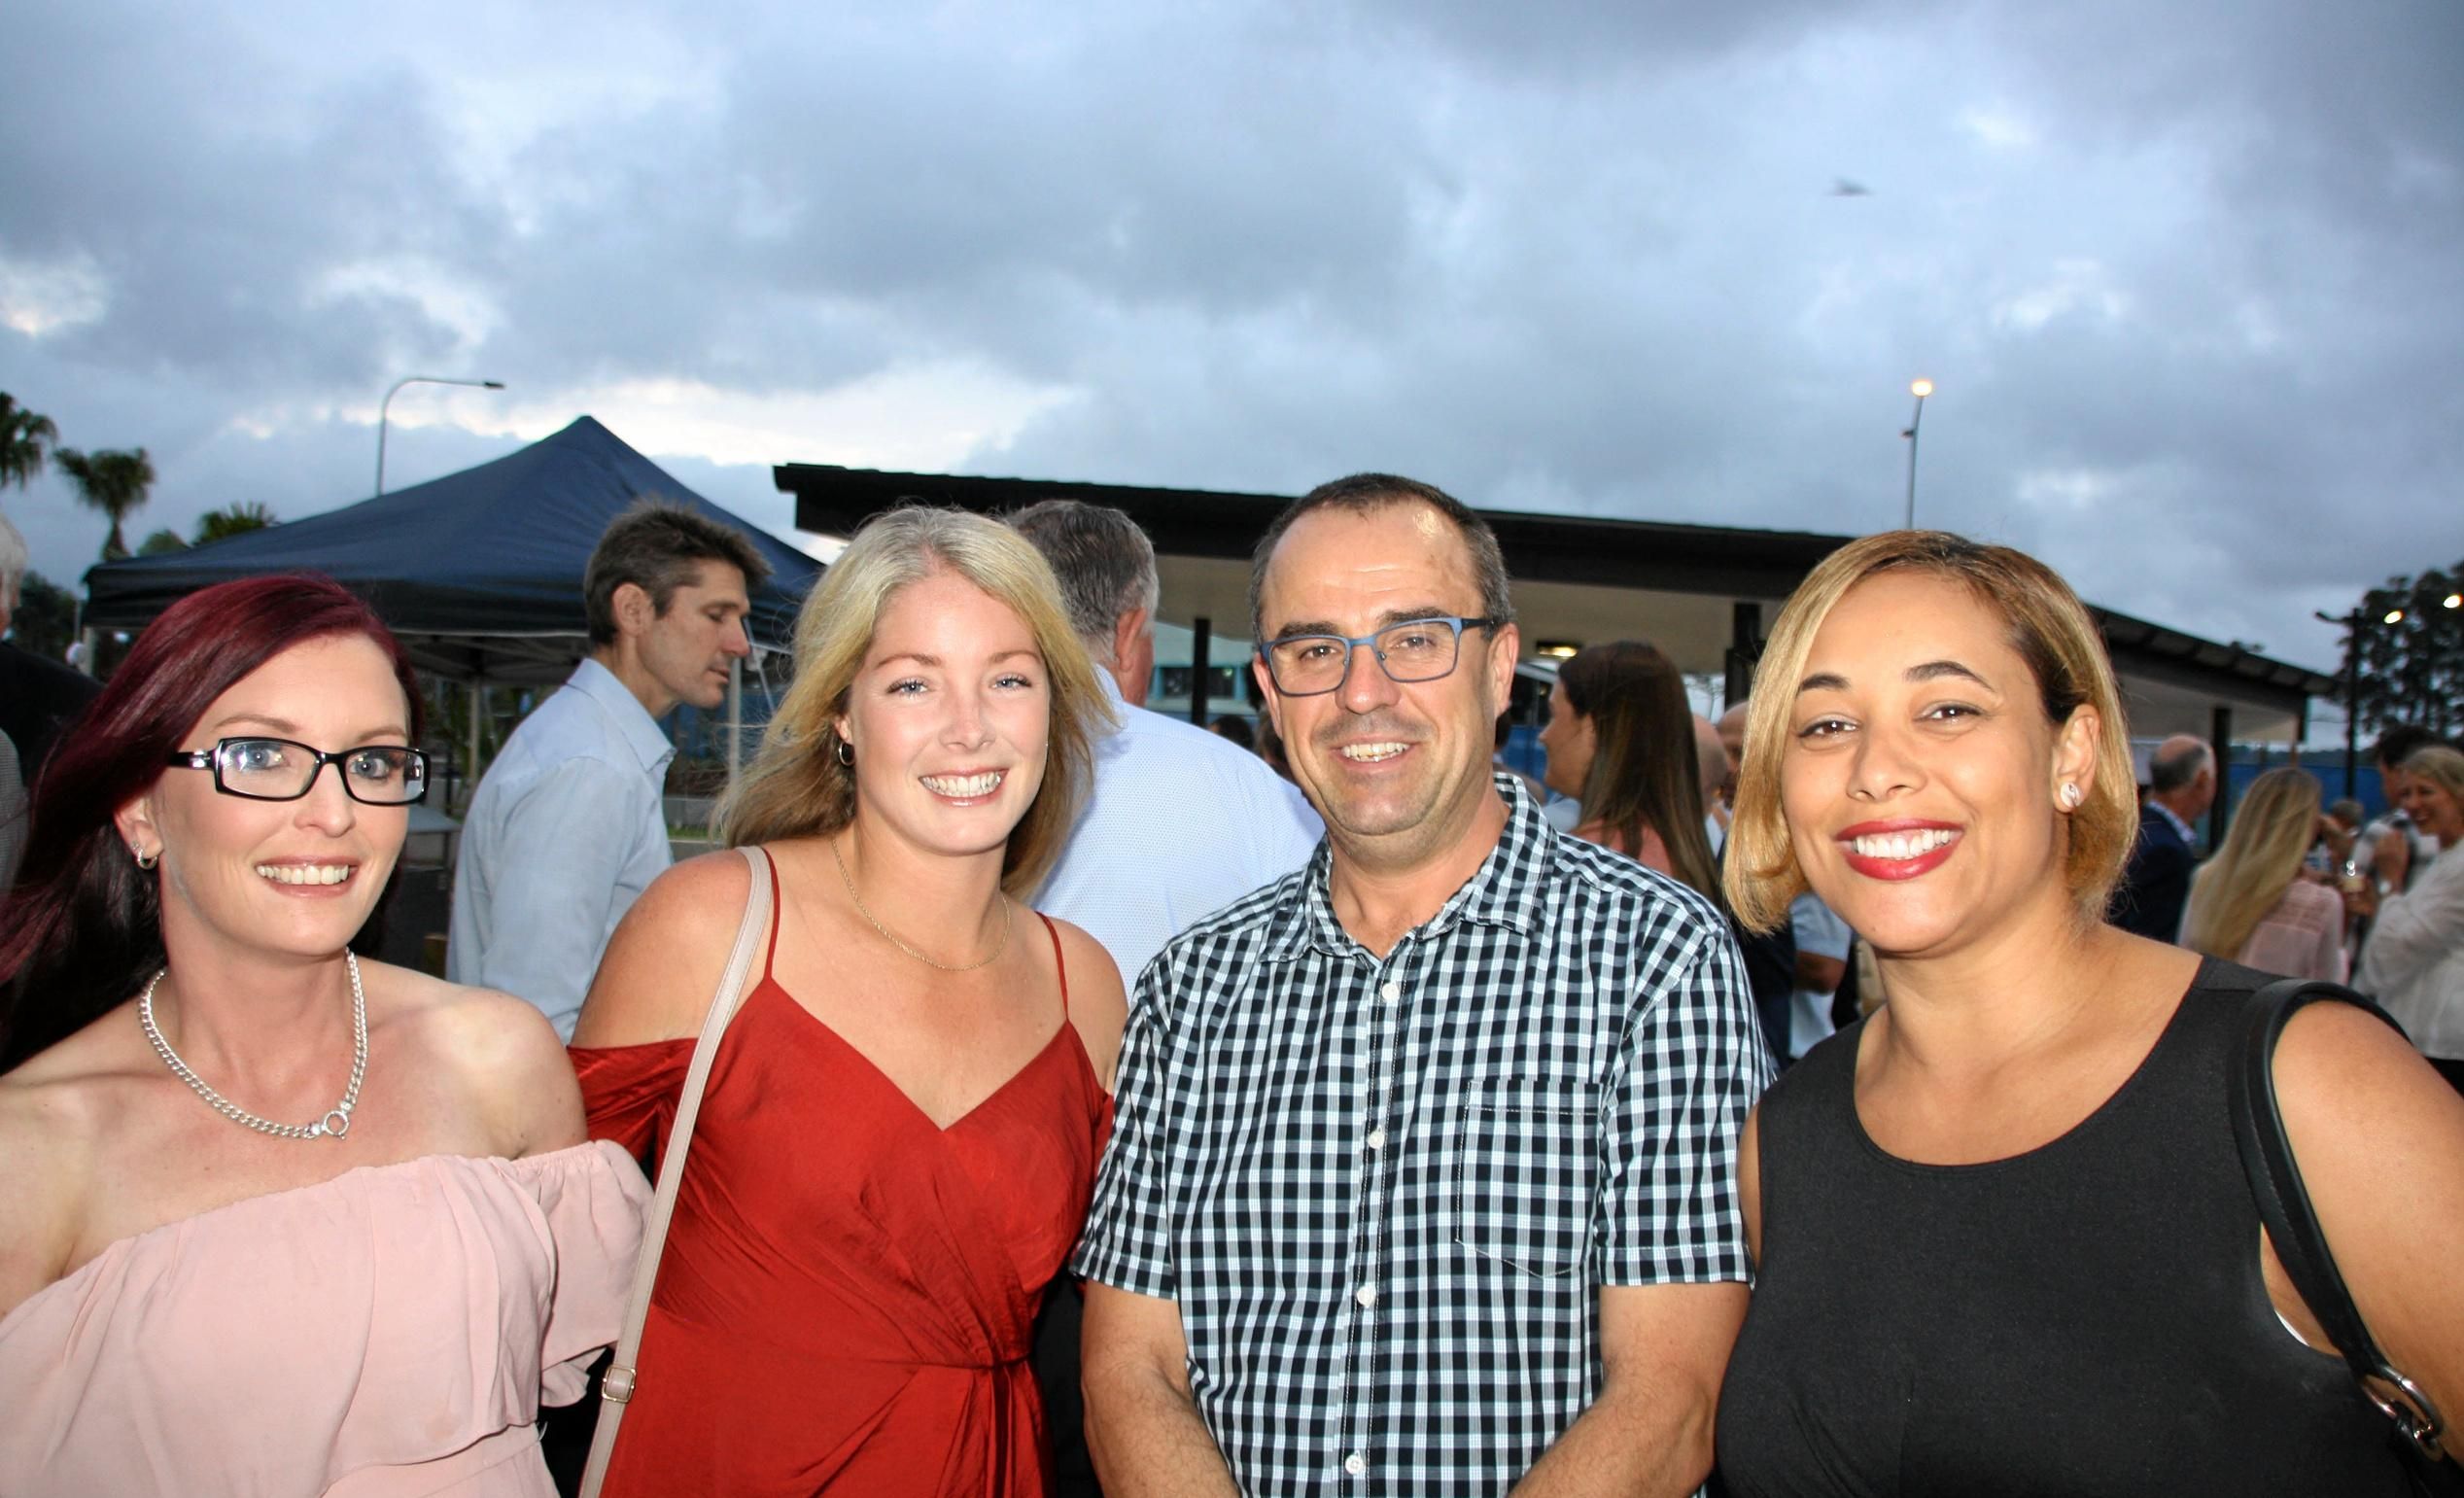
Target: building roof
<point>1577,579</point>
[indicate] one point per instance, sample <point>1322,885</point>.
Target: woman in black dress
<point>2004,1240</point>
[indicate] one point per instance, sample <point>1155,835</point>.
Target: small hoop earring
<point>847,754</point>
<point>2071,795</point>
<point>147,860</point>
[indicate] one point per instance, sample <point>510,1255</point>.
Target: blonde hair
<point>2440,763</point>
<point>2272,830</point>
<point>2051,632</point>
<point>797,787</point>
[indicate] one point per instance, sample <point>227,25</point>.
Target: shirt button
<point>1378,1138</point>
<point>1367,1295</point>
<point>1391,992</point>
<point>1356,1464</point>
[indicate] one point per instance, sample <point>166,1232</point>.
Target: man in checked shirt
<point>1423,1180</point>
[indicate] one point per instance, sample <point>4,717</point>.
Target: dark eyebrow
<point>284,727</point>
<point>1394,616</point>
<point>1386,620</point>
<point>262,719</point>
<point>1935,671</point>
<point>1929,671</point>
<point>1300,627</point>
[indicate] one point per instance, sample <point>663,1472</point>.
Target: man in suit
<point>2181,780</point>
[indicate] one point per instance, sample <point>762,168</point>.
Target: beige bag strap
<point>617,1390</point>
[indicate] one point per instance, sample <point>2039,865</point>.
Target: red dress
<point>848,1294</point>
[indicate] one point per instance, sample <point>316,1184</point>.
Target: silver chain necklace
<point>334,1125</point>
<point>998,947</point>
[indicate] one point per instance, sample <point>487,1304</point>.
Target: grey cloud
<point>1563,256</point>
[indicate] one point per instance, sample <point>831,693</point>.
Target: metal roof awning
<point>1702,593</point>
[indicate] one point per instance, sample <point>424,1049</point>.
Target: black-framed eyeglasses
<point>1413,650</point>
<point>284,769</point>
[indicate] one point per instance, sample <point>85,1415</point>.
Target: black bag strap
<point>2291,1224</point>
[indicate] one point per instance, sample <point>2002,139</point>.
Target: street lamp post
<point>2352,623</point>
<point>394,389</point>
<point>1918,389</point>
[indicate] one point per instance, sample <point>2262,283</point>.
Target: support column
<point>735,717</point>
<point>470,766</point>
<point>1201,646</point>
<point>2220,745</point>
<point>1745,649</point>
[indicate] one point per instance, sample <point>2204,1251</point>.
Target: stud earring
<point>847,754</point>
<point>2071,795</point>
<point>146,860</point>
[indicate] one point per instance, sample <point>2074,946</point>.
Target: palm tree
<point>110,481</point>
<point>232,521</point>
<point>23,437</point>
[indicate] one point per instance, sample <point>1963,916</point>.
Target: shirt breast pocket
<point>1525,1159</point>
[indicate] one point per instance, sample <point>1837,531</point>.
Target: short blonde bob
<point>2052,633</point>
<point>796,787</point>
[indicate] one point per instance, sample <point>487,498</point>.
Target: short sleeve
<point>1128,1243</point>
<point>1675,1107</point>
<point>1818,930</point>
<point>630,1092</point>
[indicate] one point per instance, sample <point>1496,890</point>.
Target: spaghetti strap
<point>1061,965</point>
<point>770,959</point>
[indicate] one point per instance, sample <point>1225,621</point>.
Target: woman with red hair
<point>272,1219</point>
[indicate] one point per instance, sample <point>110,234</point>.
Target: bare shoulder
<point>53,1112</point>
<point>509,1073</point>
<point>2336,1057</point>
<point>484,1037</point>
<point>656,980</point>
<point>2379,1139</point>
<point>1098,1004</point>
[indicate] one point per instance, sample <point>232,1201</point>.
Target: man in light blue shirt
<point>1823,943</point>
<point>1178,825</point>
<point>568,828</point>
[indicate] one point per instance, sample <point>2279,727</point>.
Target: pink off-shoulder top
<point>392,1331</point>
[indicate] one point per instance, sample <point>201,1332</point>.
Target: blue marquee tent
<point>480,572</point>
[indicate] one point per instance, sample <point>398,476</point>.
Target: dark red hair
<point>81,928</point>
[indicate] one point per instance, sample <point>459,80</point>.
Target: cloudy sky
<point>2190,278</point>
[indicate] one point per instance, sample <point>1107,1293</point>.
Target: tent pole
<point>471,770</point>
<point>735,716</point>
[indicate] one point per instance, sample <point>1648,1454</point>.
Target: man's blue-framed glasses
<point>1413,650</point>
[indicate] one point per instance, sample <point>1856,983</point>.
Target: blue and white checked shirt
<point>1385,1194</point>
<point>567,830</point>
<point>1179,824</point>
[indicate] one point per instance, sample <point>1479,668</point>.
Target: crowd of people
<point>1788,1113</point>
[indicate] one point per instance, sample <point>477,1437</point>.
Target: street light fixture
<point>1920,389</point>
<point>395,388</point>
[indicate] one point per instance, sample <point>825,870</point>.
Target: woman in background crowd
<point>273,1220</point>
<point>1621,740</point>
<point>2414,962</point>
<point>2252,902</point>
<point>899,1137</point>
<point>2003,1239</point>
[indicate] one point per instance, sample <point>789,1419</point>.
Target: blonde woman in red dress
<point>899,1136</point>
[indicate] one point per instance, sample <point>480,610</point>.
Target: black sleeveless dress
<point>2085,1318</point>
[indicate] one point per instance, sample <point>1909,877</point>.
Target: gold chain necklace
<point>998,947</point>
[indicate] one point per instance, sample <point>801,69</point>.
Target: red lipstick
<point>1895,870</point>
